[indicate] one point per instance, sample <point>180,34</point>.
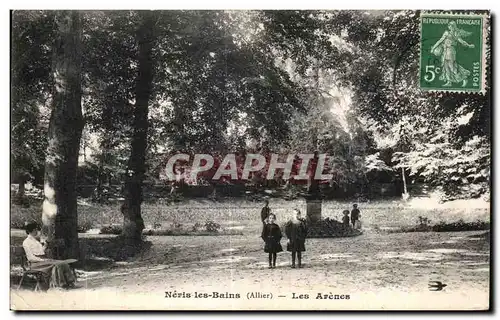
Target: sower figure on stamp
<point>452,72</point>
<point>271,234</point>
<point>296,232</point>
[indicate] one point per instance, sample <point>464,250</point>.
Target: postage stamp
<point>452,52</point>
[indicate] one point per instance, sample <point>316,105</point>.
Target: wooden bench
<point>18,256</point>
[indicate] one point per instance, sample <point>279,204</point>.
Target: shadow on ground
<point>113,247</point>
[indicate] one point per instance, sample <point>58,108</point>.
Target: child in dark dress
<point>265,212</point>
<point>296,232</point>
<point>354,215</point>
<point>271,234</point>
<point>345,219</point>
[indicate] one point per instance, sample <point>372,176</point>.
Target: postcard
<point>179,160</point>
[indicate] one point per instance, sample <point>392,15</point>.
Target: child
<point>265,212</point>
<point>354,215</point>
<point>271,234</point>
<point>345,219</point>
<point>296,232</point>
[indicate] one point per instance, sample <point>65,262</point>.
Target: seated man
<point>58,272</point>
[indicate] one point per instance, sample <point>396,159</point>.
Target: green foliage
<point>176,229</point>
<point>246,213</point>
<point>111,229</point>
<point>459,167</point>
<point>461,225</point>
<point>340,82</point>
<point>110,64</point>
<point>183,232</point>
<point>331,228</point>
<point>443,139</point>
<point>212,226</point>
<point>32,36</point>
<point>19,215</point>
<point>424,225</point>
<point>89,216</point>
<point>373,162</point>
<point>197,226</point>
<point>218,89</point>
<point>85,226</point>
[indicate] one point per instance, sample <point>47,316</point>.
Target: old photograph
<point>180,160</point>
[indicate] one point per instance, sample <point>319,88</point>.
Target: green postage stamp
<point>453,52</point>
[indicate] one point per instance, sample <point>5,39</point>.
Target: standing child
<point>354,215</point>
<point>265,212</point>
<point>271,234</point>
<point>296,232</point>
<point>345,219</point>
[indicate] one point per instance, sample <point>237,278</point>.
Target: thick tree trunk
<point>59,215</point>
<point>405,195</point>
<point>84,153</point>
<point>22,190</point>
<point>131,208</point>
<point>100,175</point>
<point>313,199</point>
<point>404,180</point>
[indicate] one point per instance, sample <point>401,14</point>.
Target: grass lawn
<point>380,214</point>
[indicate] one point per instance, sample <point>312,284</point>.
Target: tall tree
<point>59,215</point>
<point>31,36</point>
<point>133,223</point>
<point>110,63</point>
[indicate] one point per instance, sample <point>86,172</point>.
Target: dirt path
<point>373,269</point>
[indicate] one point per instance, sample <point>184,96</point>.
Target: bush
<point>423,225</point>
<point>176,226</point>
<point>197,226</point>
<point>211,226</point>
<point>19,215</point>
<point>89,216</point>
<point>170,232</point>
<point>158,232</point>
<point>111,229</point>
<point>461,225</point>
<point>331,228</point>
<point>22,201</point>
<point>85,226</point>
<point>175,229</point>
